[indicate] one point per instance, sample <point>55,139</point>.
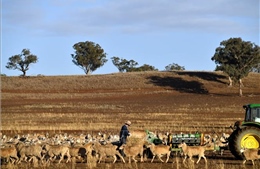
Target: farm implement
<point>174,140</point>
<point>195,139</point>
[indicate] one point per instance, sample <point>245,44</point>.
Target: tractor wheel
<point>247,137</point>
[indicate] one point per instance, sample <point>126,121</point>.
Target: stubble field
<point>157,101</point>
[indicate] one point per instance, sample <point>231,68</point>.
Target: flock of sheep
<point>64,147</point>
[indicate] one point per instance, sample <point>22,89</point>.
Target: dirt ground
<point>176,162</point>
<point>157,101</point>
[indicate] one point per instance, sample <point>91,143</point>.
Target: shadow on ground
<point>179,84</point>
<point>210,76</point>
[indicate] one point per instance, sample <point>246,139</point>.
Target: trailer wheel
<point>247,137</point>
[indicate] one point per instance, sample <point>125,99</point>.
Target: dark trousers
<point>122,141</point>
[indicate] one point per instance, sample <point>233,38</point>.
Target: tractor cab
<point>252,113</point>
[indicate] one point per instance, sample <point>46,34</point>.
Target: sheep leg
<point>159,156</point>
<point>221,152</point>
<point>21,158</point>
<point>69,159</point>
<point>142,157</point>
<point>100,158</point>
<point>52,157</point>
<point>168,156</point>
<point>114,158</point>
<point>25,159</point>
<point>204,158</point>
<point>122,158</point>
<point>185,156</point>
<point>129,159</point>
<point>16,159</point>
<point>12,161</point>
<point>30,159</point>
<point>253,162</point>
<point>244,161</point>
<point>133,157</point>
<point>9,160</point>
<point>193,160</point>
<point>198,160</point>
<point>61,158</point>
<point>153,158</point>
<point>42,158</point>
<point>68,156</point>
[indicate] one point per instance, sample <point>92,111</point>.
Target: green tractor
<point>247,133</point>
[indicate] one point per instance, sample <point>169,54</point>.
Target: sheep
<point>57,150</point>
<point>133,151</point>
<point>107,150</point>
<point>75,152</point>
<point>164,137</point>
<point>81,151</point>
<point>207,138</point>
<point>8,153</point>
<point>216,145</point>
<point>192,151</point>
<point>159,151</point>
<point>86,149</point>
<point>26,151</point>
<point>224,137</point>
<point>250,154</point>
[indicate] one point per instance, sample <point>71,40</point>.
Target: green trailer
<point>191,139</point>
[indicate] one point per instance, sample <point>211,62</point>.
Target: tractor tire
<point>247,137</point>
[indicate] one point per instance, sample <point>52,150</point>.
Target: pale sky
<point>154,32</point>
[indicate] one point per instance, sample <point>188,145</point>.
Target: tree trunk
<point>87,71</point>
<point>240,82</point>
<point>230,81</point>
<point>24,73</point>
<point>240,89</point>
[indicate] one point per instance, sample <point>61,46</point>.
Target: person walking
<point>124,132</point>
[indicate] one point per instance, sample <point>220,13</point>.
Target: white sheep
<point>192,151</point>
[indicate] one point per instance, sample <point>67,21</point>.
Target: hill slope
<point>176,101</point>
<point>183,81</point>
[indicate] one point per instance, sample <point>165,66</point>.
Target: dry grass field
<point>163,101</point>
<point>185,101</point>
